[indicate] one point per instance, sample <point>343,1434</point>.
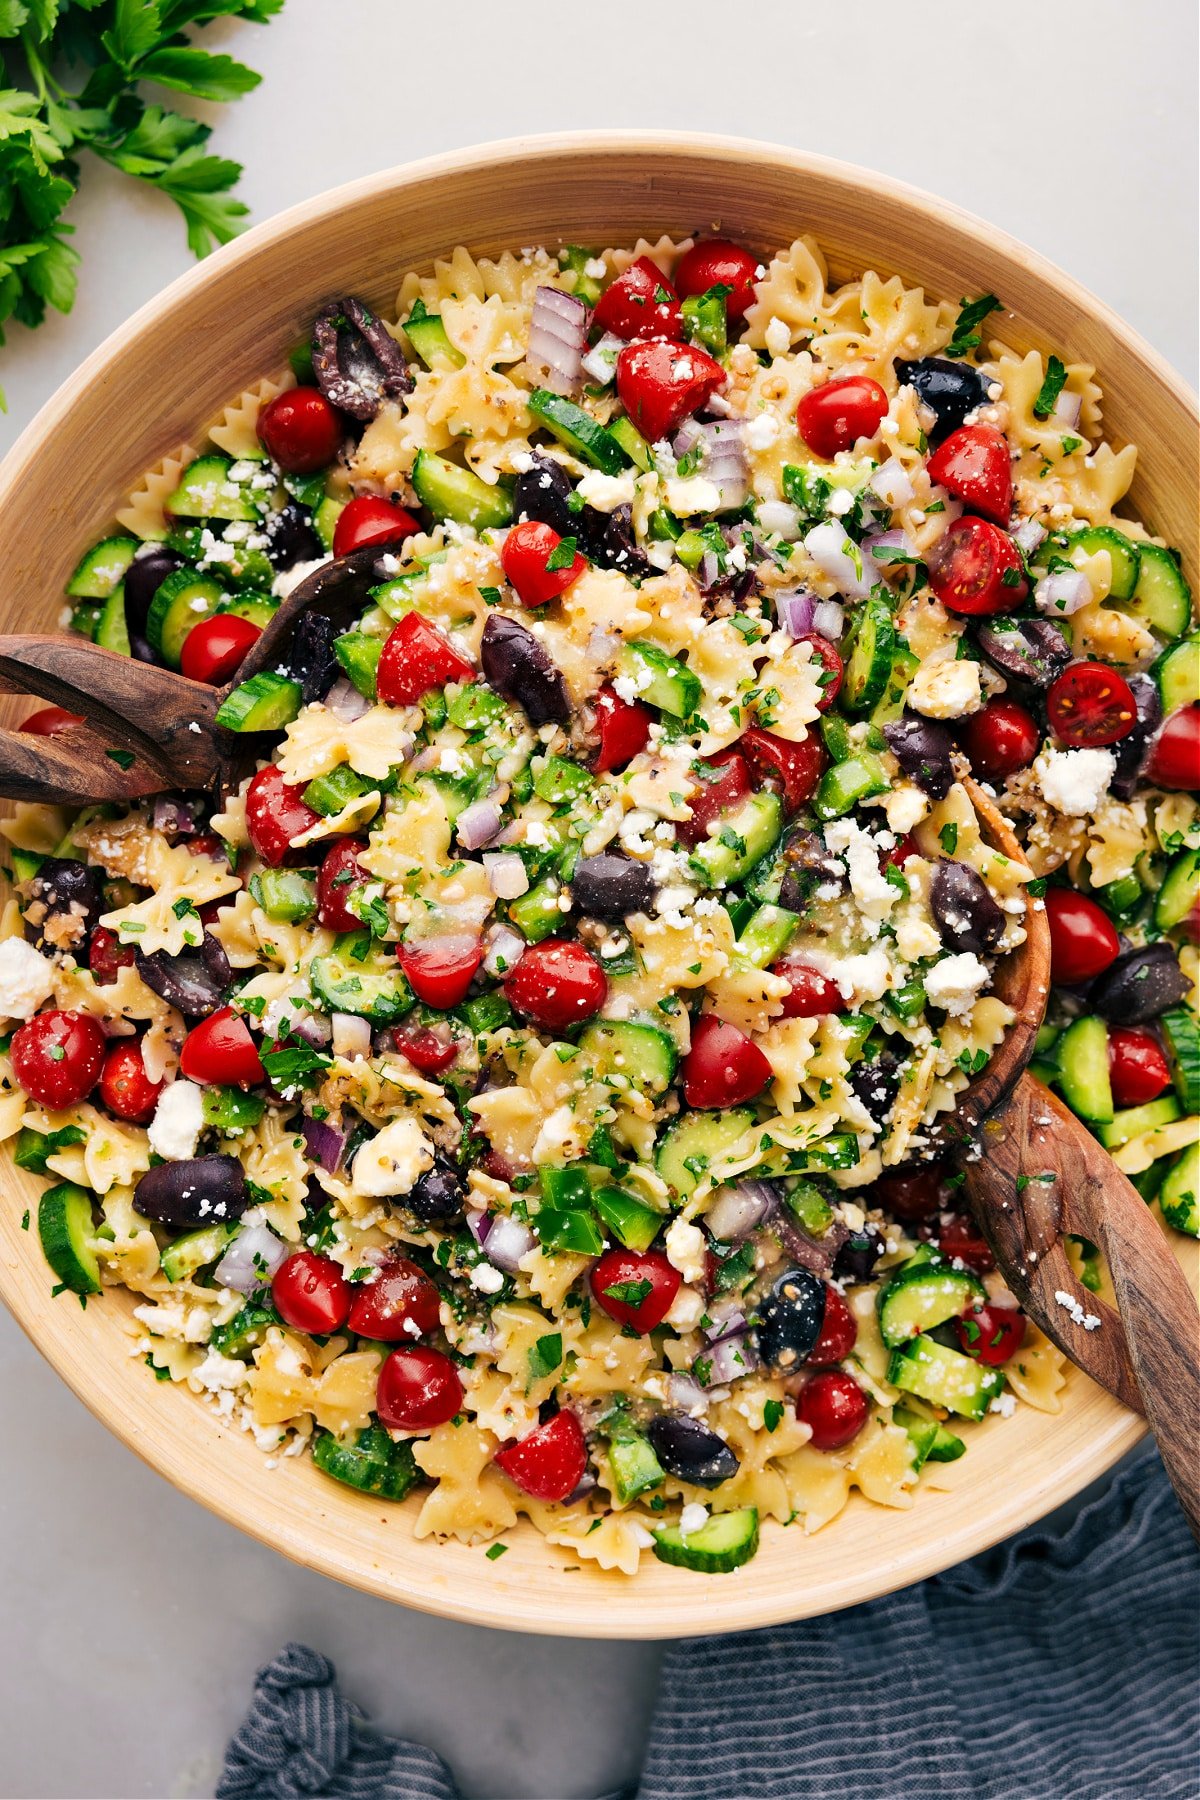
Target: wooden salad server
<point>1034,1174</point>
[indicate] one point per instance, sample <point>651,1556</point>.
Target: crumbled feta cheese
<point>916,938</point>
<point>905,807</point>
<point>862,977</point>
<point>874,893</point>
<point>1075,781</point>
<point>841,501</point>
<point>762,431</point>
<point>563,1136</point>
<point>1068,1302</point>
<point>954,981</point>
<point>178,1121</point>
<point>695,495</point>
<point>777,337</point>
<point>217,1371</point>
<point>947,689</point>
<point>606,492</point>
<point>26,979</point>
<point>692,1519</point>
<point>486,1279</point>
<point>287,579</point>
<point>687,1309</point>
<point>1005,1404</point>
<point>392,1161</point>
<point>687,1250</point>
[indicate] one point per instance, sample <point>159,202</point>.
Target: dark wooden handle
<point>1041,1174</point>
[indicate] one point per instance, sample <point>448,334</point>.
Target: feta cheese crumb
<point>777,337</point>
<point>695,495</point>
<point>606,492</point>
<point>905,807</point>
<point>178,1121</point>
<point>875,895</point>
<point>954,982</point>
<point>692,1519</point>
<point>26,978</point>
<point>946,690</point>
<point>1075,781</point>
<point>486,1279</point>
<point>687,1309</point>
<point>1005,1404</point>
<point>762,431</point>
<point>392,1161</point>
<point>687,1250</point>
<point>1068,1302</point>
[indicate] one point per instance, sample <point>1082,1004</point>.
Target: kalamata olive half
<point>310,658</point>
<point>291,538</point>
<point>876,1084</point>
<point>951,390</point>
<point>202,1190</point>
<point>356,361</point>
<point>1032,650</point>
<point>517,666</point>
<point>1131,751</point>
<point>194,981</point>
<point>437,1196</point>
<point>856,1259</point>
<point>609,542</point>
<point>611,886</point>
<point>1140,985</point>
<point>690,1451</point>
<point>65,898</point>
<point>543,492</point>
<point>922,748</point>
<point>962,905</point>
<point>143,578</point>
<point>807,865</point>
<point>790,1320</point>
<point>142,650</point>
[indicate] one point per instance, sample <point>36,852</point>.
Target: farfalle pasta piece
<point>470,1501</point>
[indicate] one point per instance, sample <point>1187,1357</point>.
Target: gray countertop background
<point>132,1622</point>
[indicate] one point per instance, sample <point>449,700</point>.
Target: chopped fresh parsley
<point>966,333</point>
<point>1051,388</point>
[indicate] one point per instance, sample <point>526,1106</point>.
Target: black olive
<point>437,1197</point>
<point>951,390</point>
<point>356,361</point>
<point>790,1320</point>
<point>922,748</point>
<point>142,650</point>
<point>517,666</point>
<point>609,542</point>
<point>64,889</point>
<point>876,1084</point>
<point>964,908</point>
<point>807,865</point>
<point>1131,751</point>
<point>543,492</point>
<point>856,1259</point>
<point>1140,985</point>
<point>194,981</point>
<point>143,578</point>
<point>690,1451</point>
<point>611,886</point>
<point>203,1190</point>
<point>291,538</point>
<point>1032,650</point>
<point>310,658</point>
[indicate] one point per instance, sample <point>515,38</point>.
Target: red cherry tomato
<point>107,955</point>
<point>339,876</point>
<point>974,465</point>
<point>424,1049</point>
<point>812,995</point>
<point>1090,704</point>
<point>441,969</point>
<point>206,843</point>
<point>220,1049</point>
<point>557,984</point>
<point>418,1389</point>
<point>662,384</point>
<point>830,679</point>
<point>641,303</point>
<point>548,1463</point>
<point>125,1087</point>
<point>1083,939</point>
<point>959,1238</point>
<point>1000,739</point>
<point>838,1333</point>
<point>717,263</point>
<point>1175,759</point>
<point>275,814</point>
<point>50,721</point>
<point>528,549</point>
<point>723,1067</point>
<point>911,1194</point>
<point>797,765</point>
<point>311,1293</point>
<point>1136,1065</point>
<point>368,520</point>
<point>300,430</point>
<point>834,1408</point>
<point>213,649</point>
<point>417,657</point>
<point>635,1287</point>
<point>624,727</point>
<point>898,855</point>
<point>974,568</point>
<point>57,1057</point>
<point>399,1303</point>
<point>724,780</point>
<point>834,417</point>
<point>991,1334</point>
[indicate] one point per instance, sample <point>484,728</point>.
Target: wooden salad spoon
<point>1035,1174</point>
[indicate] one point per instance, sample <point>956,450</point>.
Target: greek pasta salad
<point>531,1089</point>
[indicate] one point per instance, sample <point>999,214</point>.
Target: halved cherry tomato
<point>107,955</point>
<point>57,1057</point>
<point>220,1049</point>
<point>975,569</point>
<point>991,1334</point>
<point>973,464</point>
<point>724,1067</point>
<point>417,657</point>
<point>530,549</point>
<point>1136,1065</point>
<point>838,1333</point>
<point>715,262</point>
<point>959,1237</point>
<point>662,384</point>
<point>205,843</point>
<point>641,303</point>
<point>275,814</point>
<point>213,649</point>
<point>547,1463</point>
<point>1000,739</point>
<point>1090,704</point>
<point>557,984</point>
<point>300,430</point>
<point>424,1048</point>
<point>635,1287</point>
<point>418,1389</point>
<point>812,995</point>
<point>898,855</point>
<point>401,1302</point>
<point>1175,759</point>
<point>624,727</point>
<point>441,969</point>
<point>368,520</point>
<point>1083,939</point>
<point>797,764</point>
<point>834,1408</point>
<point>339,876</point>
<point>830,678</point>
<point>125,1087</point>
<point>50,721</point>
<point>311,1293</point>
<point>834,417</point>
<point>724,780</point>
<point>911,1194</point>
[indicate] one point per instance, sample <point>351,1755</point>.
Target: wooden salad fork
<point>1035,1174</point>
<point>149,730</point>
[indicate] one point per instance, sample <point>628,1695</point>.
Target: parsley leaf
<point>1051,388</point>
<point>288,1066</point>
<point>974,312</point>
<point>629,1293</point>
<point>563,554</point>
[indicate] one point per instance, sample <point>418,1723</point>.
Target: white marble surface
<point>131,1620</point>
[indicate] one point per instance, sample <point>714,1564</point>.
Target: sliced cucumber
<point>1083,1076</point>
<point>370,1462</point>
<point>260,609</point>
<point>632,443</point>
<point>1179,896</point>
<point>112,631</point>
<point>916,1299</point>
<point>65,1230</point>
<point>946,1447</point>
<point>661,681</point>
<point>577,429</point>
<point>196,1249</point>
<point>102,568</point>
<point>640,1056</point>
<point>229,1110</point>
<point>459,494</point>
<point>868,654</point>
<point>1132,1121</point>
<point>355,978</point>
<point>767,934</point>
<point>1123,555</point>
<point>1177,673</point>
<point>945,1377</point>
<point>695,1143</point>
<point>267,702</point>
<point>327,794</point>
<point>359,656</point>
<point>748,833</point>
<point>726,1542</point>
<point>633,1225</point>
<point>205,491</point>
<point>241,1335</point>
<point>325,520</point>
<point>1182,1036</point>
<point>634,1466</point>
<point>890,704</point>
<point>427,335</point>
<point>1179,1195</point>
<point>289,895</point>
<point>846,783</point>
<point>1162,598</point>
<point>573,259</point>
<point>182,600</point>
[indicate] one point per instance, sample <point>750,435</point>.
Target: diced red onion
<point>173,816</point>
<point>557,338</point>
<point>723,457</point>
<point>323,1143</point>
<point>1028,535</point>
<point>1063,593</point>
<point>314,1028</point>
<point>507,1242</point>
<point>829,619</point>
<point>478,1224</point>
<point>426,759</point>
<point>351,1036</point>
<point>732,1325</point>
<point>795,612</point>
<point>709,570</point>
<point>1067,409</point>
<point>830,548</point>
<point>601,360</point>
<point>345,702</point>
<point>737,1211</point>
<point>891,481</point>
<point>684,1392</point>
<point>503,947</point>
<point>506,875</point>
<point>808,1251</point>
<point>884,540</point>
<point>478,824</point>
<point>251,1259</point>
<point>730,1360</point>
<point>587,1485</point>
<point>779,519</point>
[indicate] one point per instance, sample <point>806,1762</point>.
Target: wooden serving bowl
<point>147,390</point>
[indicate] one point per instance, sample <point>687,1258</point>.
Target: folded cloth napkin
<point>1055,1668</point>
